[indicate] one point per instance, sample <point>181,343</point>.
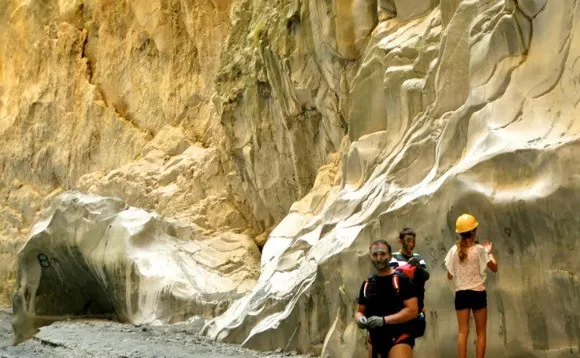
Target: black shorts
<point>470,299</point>
<point>383,350</point>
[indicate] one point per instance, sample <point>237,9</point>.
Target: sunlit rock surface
<point>469,108</point>
<point>89,89</point>
<point>93,256</point>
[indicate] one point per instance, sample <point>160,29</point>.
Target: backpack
<point>417,325</point>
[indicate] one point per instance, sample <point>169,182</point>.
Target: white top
<point>399,260</point>
<point>469,274</point>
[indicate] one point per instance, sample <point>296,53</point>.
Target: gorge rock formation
<point>91,256</point>
<point>70,119</point>
<point>320,126</point>
<point>467,108</point>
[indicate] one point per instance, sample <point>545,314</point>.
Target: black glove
<point>362,322</point>
<point>375,322</point>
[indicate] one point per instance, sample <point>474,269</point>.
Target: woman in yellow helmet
<point>466,264</point>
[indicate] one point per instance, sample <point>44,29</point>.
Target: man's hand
<point>375,322</point>
<point>413,261</point>
<point>362,322</point>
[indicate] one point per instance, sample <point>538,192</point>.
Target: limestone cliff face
<point>91,256</point>
<point>468,106</point>
<point>114,98</point>
<point>283,93</point>
<point>331,122</point>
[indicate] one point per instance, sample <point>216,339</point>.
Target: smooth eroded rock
<point>92,256</point>
<point>499,141</point>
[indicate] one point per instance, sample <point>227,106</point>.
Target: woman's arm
<point>491,263</point>
<point>449,262</point>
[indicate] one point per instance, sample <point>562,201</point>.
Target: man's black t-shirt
<point>381,299</point>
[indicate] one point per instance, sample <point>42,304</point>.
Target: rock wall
<point>114,98</point>
<point>91,256</point>
<point>332,123</point>
<point>469,107</point>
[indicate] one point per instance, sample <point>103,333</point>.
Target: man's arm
<point>410,311</point>
<point>360,312</point>
<point>425,273</point>
<point>360,318</point>
<point>408,293</point>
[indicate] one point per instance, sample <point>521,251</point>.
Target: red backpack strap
<point>396,282</point>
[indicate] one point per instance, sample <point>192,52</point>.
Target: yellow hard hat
<point>465,223</point>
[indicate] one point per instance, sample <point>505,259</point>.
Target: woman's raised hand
<point>488,246</point>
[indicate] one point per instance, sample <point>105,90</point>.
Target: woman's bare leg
<point>463,332</point>
<point>481,330</point>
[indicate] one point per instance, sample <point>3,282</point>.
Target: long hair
<point>462,244</point>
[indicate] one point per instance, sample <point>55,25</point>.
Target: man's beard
<point>380,264</point>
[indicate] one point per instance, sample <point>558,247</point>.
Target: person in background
<point>466,264</point>
<point>407,239</point>
<point>384,307</point>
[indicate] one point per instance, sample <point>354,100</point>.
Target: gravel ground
<point>105,339</point>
